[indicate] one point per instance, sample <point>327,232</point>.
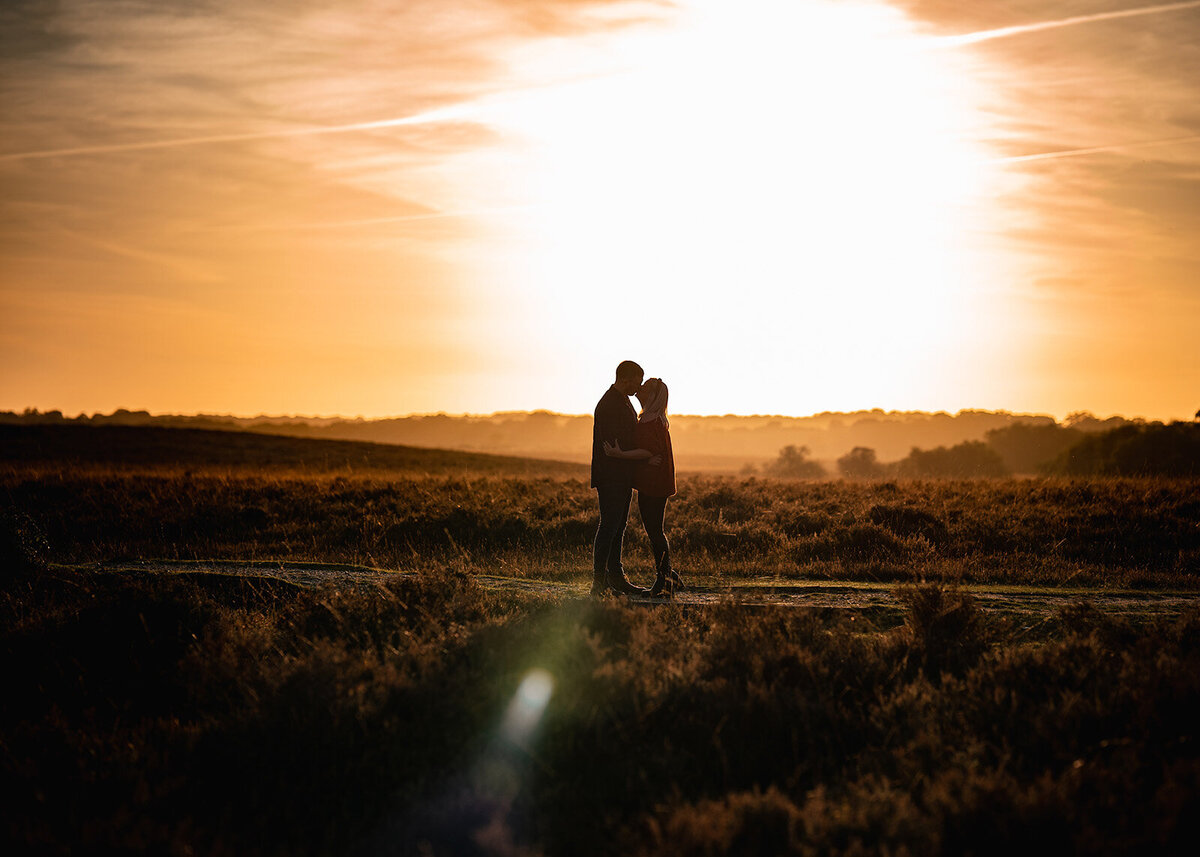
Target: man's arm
<point>616,451</point>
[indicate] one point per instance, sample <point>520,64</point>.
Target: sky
<point>383,208</point>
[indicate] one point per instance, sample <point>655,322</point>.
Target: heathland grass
<point>218,714</point>
<point>185,496</point>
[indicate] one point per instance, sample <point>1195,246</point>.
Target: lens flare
<point>527,705</point>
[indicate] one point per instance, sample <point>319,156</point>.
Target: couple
<point>630,452</point>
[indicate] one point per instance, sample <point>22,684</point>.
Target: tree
<point>794,463</point>
<point>860,463</point>
<point>1135,450</point>
<point>1027,448</point>
<point>973,458</point>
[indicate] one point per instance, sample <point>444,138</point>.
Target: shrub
<point>944,628</point>
<point>907,521</point>
<point>232,715</point>
<point>728,503</point>
<point>793,463</point>
<point>793,522</point>
<point>23,546</point>
<point>967,460</point>
<point>860,463</point>
<point>868,542</point>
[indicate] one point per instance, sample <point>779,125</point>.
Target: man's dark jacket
<point>615,421</point>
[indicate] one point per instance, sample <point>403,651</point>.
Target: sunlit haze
<point>779,207</point>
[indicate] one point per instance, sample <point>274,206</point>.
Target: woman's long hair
<point>655,407</point>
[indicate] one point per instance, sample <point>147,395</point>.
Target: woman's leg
<point>653,511</point>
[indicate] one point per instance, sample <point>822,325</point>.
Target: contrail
<point>453,113</point>
<point>458,112</point>
<point>178,264</point>
<point>1093,150</point>
<point>1005,32</point>
<point>445,114</point>
<point>403,218</point>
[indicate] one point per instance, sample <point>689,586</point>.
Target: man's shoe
<point>599,588</point>
<point>620,584</point>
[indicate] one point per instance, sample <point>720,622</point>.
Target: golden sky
<point>382,208</point>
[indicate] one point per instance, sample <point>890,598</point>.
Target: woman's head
<point>653,397</point>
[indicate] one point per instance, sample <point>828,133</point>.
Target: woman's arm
<point>615,451</point>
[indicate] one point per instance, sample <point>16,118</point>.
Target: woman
<point>654,478</point>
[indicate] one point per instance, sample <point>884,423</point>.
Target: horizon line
<point>493,414</point>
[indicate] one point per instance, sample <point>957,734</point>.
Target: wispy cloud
<point>1070,21</point>
<point>408,218</point>
<point>331,162</point>
<point>1132,145</point>
<point>305,165</point>
<point>1084,100</point>
<point>188,268</point>
<point>445,114</point>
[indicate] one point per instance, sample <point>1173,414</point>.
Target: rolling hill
<point>152,447</point>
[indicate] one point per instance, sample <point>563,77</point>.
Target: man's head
<point>629,377</point>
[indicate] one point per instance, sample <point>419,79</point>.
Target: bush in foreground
<point>244,715</point>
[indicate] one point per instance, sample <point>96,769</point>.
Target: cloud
<point>134,77</point>
<point>297,172</point>
<point>430,117</point>
<point>1095,107</point>
<point>1069,21</point>
<point>1083,75</point>
<point>187,268</point>
<point>337,162</point>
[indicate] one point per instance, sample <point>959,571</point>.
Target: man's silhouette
<point>615,421</point>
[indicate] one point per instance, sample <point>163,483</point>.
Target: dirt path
<point>825,594</point>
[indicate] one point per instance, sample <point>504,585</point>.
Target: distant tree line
<point>1153,449</point>
<point>1130,449</point>
<point>701,442</point>
<point>969,444</point>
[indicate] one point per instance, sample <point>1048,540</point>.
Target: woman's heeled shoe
<point>665,579</point>
<point>676,580</point>
<point>663,586</point>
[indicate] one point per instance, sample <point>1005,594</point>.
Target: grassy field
<point>425,713</point>
<point>186,494</point>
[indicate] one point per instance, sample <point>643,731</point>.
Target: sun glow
<point>796,178</point>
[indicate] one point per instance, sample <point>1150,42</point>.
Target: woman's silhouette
<point>655,482</point>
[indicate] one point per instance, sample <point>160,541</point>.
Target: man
<point>614,423</point>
